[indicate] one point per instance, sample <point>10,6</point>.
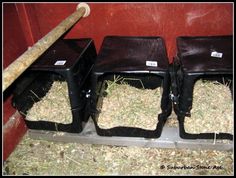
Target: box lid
<point>206,54</point>
<point>63,54</point>
<point>126,54</point>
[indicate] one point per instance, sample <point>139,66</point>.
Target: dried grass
<point>53,107</point>
<point>172,120</point>
<point>128,106</point>
<point>38,157</point>
<point>212,109</point>
<point>35,157</point>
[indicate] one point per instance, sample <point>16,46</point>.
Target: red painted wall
<point>168,20</point>
<point>13,40</point>
<point>14,44</point>
<point>24,24</point>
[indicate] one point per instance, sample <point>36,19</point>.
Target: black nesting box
<point>142,58</point>
<point>69,60</point>
<point>209,58</point>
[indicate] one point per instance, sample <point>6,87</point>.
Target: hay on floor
<point>38,157</point>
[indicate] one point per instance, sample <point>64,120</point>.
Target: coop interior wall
<point>26,23</point>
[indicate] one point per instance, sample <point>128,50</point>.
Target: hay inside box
<point>128,106</point>
<point>43,99</point>
<point>212,109</point>
<point>54,106</point>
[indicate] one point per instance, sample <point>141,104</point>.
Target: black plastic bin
<point>140,58</point>
<point>209,58</point>
<point>69,60</point>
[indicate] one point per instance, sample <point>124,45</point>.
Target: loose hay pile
<point>35,157</point>
<point>212,109</point>
<point>128,106</point>
<point>53,107</point>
